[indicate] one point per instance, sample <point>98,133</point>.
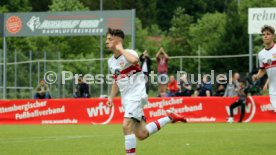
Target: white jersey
<point>267,61</point>
<point>130,80</point>
<point>122,69</point>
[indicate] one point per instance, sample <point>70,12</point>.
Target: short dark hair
<point>268,28</point>
<point>116,32</point>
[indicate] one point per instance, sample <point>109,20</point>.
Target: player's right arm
<point>261,71</point>
<point>114,91</point>
<point>259,75</point>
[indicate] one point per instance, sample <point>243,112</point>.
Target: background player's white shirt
<point>267,60</point>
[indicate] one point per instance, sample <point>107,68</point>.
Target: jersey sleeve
<point>108,64</point>
<point>133,52</point>
<point>261,63</point>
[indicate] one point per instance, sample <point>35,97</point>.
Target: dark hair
<point>80,78</point>
<point>268,28</point>
<point>116,32</point>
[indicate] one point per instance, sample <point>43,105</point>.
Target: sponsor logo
<point>266,107</point>
<point>64,25</point>
<point>100,114</point>
<point>13,24</point>
<point>122,64</point>
<point>33,23</point>
<point>274,55</point>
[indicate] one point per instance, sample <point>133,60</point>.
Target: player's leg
<point>232,107</point>
<point>130,139</point>
<point>140,130</point>
<point>133,114</point>
<point>143,130</point>
<point>242,112</point>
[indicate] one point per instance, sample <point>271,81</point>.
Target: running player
<point>267,59</point>
<point>131,83</point>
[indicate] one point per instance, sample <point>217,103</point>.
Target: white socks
<point>130,140</point>
<point>130,144</point>
<point>157,125</point>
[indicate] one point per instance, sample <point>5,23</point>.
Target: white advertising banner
<point>258,17</point>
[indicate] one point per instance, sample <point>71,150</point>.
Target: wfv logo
<point>101,110</point>
<point>101,114</point>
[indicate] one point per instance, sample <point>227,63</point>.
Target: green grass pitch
<point>174,139</point>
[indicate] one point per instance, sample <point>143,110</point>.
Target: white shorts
<point>273,101</point>
<point>134,110</point>
<point>134,97</point>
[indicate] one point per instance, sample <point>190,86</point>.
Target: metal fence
<point>26,69</point>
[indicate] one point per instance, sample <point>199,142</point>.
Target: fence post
<point>250,52</point>
<point>181,64</point>
<point>63,85</point>
<point>30,73</point>
<point>15,73</point>
<point>199,50</point>
<point>4,68</point>
<point>1,70</point>
<point>45,58</point>
<point>38,71</point>
<point>58,75</point>
<point>257,61</point>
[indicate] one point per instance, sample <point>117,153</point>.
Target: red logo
<point>100,113</point>
<point>122,64</point>
<point>14,24</point>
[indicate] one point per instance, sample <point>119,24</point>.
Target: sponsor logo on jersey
<point>122,64</point>
<point>274,55</point>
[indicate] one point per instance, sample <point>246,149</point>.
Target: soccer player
<point>129,80</point>
<point>267,61</point>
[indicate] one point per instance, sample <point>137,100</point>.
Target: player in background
<point>130,81</point>
<point>267,62</point>
<point>241,102</point>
